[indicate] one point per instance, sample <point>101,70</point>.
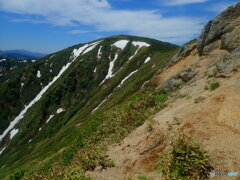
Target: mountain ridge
<point>95,74</point>
<point>20,54</point>
<point>109,107</point>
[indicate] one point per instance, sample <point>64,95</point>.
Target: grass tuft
<point>185,160</point>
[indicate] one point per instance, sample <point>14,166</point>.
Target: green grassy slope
<point>79,92</point>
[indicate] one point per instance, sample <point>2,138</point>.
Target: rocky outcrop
<point>225,28</point>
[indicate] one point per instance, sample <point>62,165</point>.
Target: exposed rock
<point>171,83</point>
<point>182,53</point>
<point>224,27</point>
<point>187,75</point>
<point>231,62</point>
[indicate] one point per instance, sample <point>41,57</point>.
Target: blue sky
<point>51,25</point>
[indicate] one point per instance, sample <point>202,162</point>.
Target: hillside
<point>126,107</point>
<point>51,108</point>
<point>202,81</point>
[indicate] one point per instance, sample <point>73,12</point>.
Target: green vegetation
<point>213,86</point>
<point>185,160</point>
<point>77,137</point>
<point>162,98</point>
<point>102,129</point>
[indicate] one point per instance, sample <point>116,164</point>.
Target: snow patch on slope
<point>37,98</point>
<point>60,110</point>
<point>79,51</point>
<point>148,59</point>
<point>84,49</point>
<point>101,103</point>
<point>99,52</point>
<point>91,47</point>
<point>110,69</point>
<point>50,117</point>
<point>2,60</point>
<point>52,56</point>
<point>121,44</point>
<point>2,150</point>
<point>13,133</point>
<point>140,45</point>
<point>39,74</point>
<point>127,77</point>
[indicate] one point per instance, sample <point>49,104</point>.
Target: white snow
<point>101,103</point>
<point>33,60</point>
<point>50,117</point>
<point>84,49</point>
<point>38,74</point>
<point>60,110</point>
<point>30,140</point>
<point>22,84</point>
<point>52,56</point>
<point>78,52</point>
<point>140,45</point>
<point>24,61</point>
<point>2,60</point>
<point>148,59</point>
<point>40,129</point>
<point>13,133</point>
<point>95,70</point>
<point>110,69</point>
<point>121,44</point>
<point>99,52</point>
<point>2,150</point>
<point>128,76</point>
<point>50,70</point>
<point>37,98</point>
<point>91,47</point>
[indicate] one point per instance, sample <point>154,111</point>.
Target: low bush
<point>185,160</point>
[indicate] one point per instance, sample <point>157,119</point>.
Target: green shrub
<point>76,173</point>
<point>68,155</point>
<point>17,175</point>
<point>185,160</point>
<point>214,86</point>
<point>162,98</point>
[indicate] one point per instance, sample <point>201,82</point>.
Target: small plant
<point>162,98</point>
<point>177,120</point>
<point>149,128</point>
<point>76,173</point>
<point>214,86</point>
<point>185,160</point>
<point>17,175</point>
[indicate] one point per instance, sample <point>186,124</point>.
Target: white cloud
<point>183,2</point>
<point>102,17</point>
<point>78,31</point>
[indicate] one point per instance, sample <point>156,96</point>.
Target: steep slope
<point>202,82</point>
<point>46,103</point>
<point>9,64</point>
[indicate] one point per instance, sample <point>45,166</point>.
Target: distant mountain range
<point>20,54</point>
